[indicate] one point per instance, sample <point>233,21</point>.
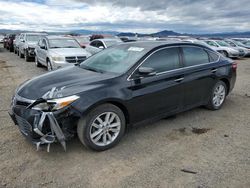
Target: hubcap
<point>219,95</point>
<point>105,129</point>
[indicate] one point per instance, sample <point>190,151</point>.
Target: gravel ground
<point>154,155</point>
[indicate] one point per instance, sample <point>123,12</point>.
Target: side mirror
<point>101,47</point>
<point>146,71</point>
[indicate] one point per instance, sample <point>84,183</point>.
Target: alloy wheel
<point>219,95</point>
<point>105,129</point>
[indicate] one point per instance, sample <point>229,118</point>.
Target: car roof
<point>109,39</point>
<point>50,37</point>
<point>150,45</point>
<point>35,33</point>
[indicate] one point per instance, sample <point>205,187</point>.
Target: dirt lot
<point>148,156</point>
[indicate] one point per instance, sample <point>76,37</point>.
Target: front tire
<point>49,66</point>
<point>225,53</point>
<point>20,54</point>
<point>26,56</point>
<point>102,128</point>
<point>218,96</point>
<point>38,64</point>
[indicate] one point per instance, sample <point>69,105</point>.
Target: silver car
<point>226,49</point>
<point>27,43</point>
<point>55,52</point>
<point>237,45</point>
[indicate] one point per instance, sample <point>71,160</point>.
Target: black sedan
<point>125,85</point>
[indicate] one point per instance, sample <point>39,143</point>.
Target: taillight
<point>234,66</point>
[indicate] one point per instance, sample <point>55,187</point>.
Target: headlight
<point>57,58</point>
<point>56,104</point>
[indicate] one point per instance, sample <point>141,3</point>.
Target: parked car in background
<point>128,39</point>
<point>27,44</point>
<point>121,86</point>
<point>10,42</point>
<point>56,51</point>
<point>1,39</point>
<point>15,43</point>
<point>82,40</point>
<point>98,45</point>
<point>201,42</point>
<point>227,50</point>
<point>236,45</point>
<point>5,40</point>
<point>105,43</point>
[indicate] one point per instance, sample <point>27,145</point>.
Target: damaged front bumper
<point>44,128</point>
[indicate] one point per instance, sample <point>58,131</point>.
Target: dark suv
<point>124,85</point>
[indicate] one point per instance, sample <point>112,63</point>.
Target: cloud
<point>195,16</point>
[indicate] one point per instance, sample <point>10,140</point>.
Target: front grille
<point>22,103</point>
<point>17,100</point>
<point>23,125</point>
<point>75,59</point>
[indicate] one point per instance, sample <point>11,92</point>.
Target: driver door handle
<point>213,70</point>
<point>179,79</point>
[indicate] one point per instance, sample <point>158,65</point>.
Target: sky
<point>142,16</point>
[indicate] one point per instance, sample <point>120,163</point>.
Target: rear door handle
<point>179,79</point>
<point>213,70</point>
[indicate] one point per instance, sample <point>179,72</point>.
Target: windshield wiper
<point>55,47</point>
<point>92,69</point>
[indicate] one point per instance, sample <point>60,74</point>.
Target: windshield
<point>114,60</point>
<point>222,43</point>
<point>247,43</point>
<point>33,38</point>
<point>112,43</point>
<point>63,43</point>
<point>231,43</point>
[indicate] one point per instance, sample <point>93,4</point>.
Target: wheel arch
<point>116,102</point>
<point>226,81</point>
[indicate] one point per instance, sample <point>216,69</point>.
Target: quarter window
<point>195,56</point>
<point>163,60</point>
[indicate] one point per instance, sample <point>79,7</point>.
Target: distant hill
<point>163,33</point>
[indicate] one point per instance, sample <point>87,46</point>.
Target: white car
<point>98,45</point>
<point>56,51</point>
<point>225,48</point>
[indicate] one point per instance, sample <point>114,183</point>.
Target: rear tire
<point>217,96</point>
<point>102,128</point>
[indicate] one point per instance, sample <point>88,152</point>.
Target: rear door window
<point>194,56</point>
<point>163,60</point>
<point>213,56</point>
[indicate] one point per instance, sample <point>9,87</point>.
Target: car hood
<point>32,44</point>
<point>69,52</point>
<point>66,81</point>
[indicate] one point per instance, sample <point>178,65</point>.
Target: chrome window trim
<point>164,72</point>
